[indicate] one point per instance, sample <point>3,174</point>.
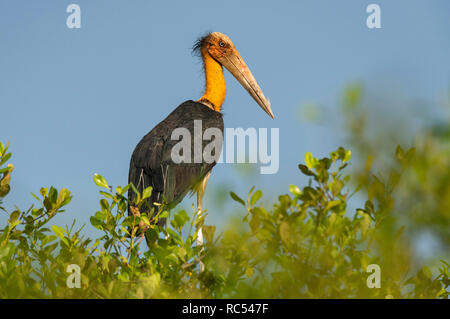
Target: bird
<point>152,162</point>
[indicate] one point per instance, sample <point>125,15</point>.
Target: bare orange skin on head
<point>218,51</point>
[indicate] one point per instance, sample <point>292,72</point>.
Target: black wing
<point>151,163</point>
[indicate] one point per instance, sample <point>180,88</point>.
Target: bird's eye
<point>221,43</point>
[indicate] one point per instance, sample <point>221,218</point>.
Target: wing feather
<point>151,163</point>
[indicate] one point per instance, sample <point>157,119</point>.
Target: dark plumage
<point>196,48</point>
<point>151,163</point>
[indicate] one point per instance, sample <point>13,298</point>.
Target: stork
<point>152,163</point>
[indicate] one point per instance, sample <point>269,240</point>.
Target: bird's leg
<point>166,226</point>
<point>200,232</point>
<point>199,211</point>
<point>200,193</point>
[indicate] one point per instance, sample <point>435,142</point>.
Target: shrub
<point>308,245</point>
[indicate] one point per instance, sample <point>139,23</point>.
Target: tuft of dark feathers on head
<point>197,47</point>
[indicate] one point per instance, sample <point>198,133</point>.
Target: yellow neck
<point>215,88</point>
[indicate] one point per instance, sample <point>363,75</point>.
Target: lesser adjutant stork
<point>151,163</point>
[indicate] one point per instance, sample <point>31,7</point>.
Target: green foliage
<point>5,171</point>
<point>418,179</point>
<point>308,245</point>
<point>311,246</point>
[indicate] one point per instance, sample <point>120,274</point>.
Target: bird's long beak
<point>237,67</point>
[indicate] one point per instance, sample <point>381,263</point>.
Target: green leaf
<point>251,190</point>
<point>237,198</point>
<point>180,219</point>
<point>164,214</point>
<point>365,223</point>
<point>342,153</point>
<point>334,156</point>
<point>310,161</point>
<point>100,181</point>
<point>64,197</point>
<point>348,156</point>
<point>4,190</point>
<point>133,188</point>
<point>4,169</point>
<point>332,204</point>
<point>145,220</point>
<point>294,190</point>
<point>13,219</point>
<point>14,215</point>
<point>336,186</point>
<point>35,196</point>
<point>58,231</point>
<point>147,192</point>
<point>128,221</point>
<point>255,197</point>
<point>96,223</point>
<point>5,158</point>
<point>107,195</point>
<point>305,170</point>
<point>285,232</point>
<point>43,191</point>
<point>104,204</point>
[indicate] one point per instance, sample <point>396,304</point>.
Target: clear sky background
<point>74,102</point>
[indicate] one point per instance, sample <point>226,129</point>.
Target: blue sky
<point>74,102</point>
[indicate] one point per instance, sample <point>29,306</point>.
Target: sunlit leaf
<point>100,181</point>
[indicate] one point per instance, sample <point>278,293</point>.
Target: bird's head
<point>222,49</point>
